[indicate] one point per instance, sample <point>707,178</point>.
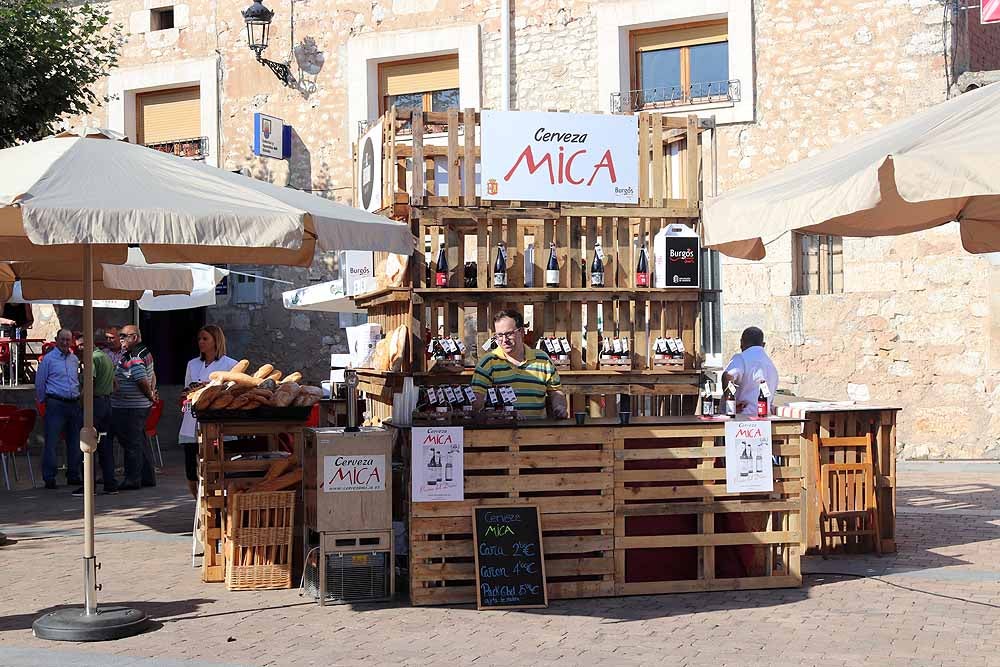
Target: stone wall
<point>914,320</point>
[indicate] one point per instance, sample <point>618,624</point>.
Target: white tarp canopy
<point>927,170</point>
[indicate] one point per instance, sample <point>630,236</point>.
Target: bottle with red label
<point>642,268</point>
<point>441,270</point>
<point>762,407</point>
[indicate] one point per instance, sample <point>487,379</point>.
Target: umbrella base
<point>72,625</point>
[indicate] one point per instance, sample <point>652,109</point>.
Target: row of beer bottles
<point>552,272</point>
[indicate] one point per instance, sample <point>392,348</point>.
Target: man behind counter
<point>528,371</point>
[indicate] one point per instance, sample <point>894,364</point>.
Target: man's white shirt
<point>747,369</point>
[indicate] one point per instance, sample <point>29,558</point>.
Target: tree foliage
<point>51,54</point>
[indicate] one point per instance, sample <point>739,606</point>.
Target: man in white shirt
<point>748,369</point>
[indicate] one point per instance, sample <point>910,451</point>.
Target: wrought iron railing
<point>195,148</point>
<point>705,92</point>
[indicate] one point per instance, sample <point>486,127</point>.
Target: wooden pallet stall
<point>430,163</point>
<point>677,529</point>
<point>570,482</point>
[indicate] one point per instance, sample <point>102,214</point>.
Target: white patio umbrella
<point>924,171</point>
<point>75,198</point>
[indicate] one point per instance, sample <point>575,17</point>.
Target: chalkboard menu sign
<point>510,568</point>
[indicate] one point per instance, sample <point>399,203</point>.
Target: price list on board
<point>510,567</point>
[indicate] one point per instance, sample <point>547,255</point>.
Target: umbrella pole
<point>89,624</point>
<point>88,437</point>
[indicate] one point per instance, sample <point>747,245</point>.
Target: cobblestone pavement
<point>936,602</point>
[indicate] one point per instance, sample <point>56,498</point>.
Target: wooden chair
<point>847,493</point>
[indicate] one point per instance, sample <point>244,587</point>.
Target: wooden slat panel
<point>469,158</point>
<point>593,503</point>
<point>540,482</point>
<point>718,539</point>
<point>454,190</point>
<point>417,193</point>
<point>624,494</point>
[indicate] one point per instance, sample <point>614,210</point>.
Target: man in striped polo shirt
<point>528,371</point>
<point>130,403</point>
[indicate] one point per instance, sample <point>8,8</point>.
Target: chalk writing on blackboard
<point>510,566</point>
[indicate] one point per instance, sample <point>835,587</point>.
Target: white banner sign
<point>748,456</point>
<point>356,472</point>
<point>535,156</point>
<point>436,462</point>
<point>369,194</point>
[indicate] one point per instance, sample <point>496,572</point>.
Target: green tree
<point>51,54</point>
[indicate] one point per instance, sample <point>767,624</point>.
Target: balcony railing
<point>706,92</point>
<point>195,149</point>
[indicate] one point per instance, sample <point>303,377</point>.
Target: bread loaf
<point>274,376</point>
<point>207,395</point>
<point>395,269</point>
<point>239,402</point>
<point>241,366</point>
<point>263,371</point>
<point>238,378</point>
<point>397,347</point>
<point>292,377</point>
<point>223,401</point>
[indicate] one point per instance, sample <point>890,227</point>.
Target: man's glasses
<point>125,336</point>
<point>506,335</point>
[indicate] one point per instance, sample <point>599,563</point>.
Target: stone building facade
<point>912,321</point>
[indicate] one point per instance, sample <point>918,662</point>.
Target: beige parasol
<point>927,170</point>
<point>86,200</point>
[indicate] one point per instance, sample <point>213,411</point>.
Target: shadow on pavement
<point>158,612</point>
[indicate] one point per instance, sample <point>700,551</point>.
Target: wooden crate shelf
<point>534,295</point>
<point>418,145</point>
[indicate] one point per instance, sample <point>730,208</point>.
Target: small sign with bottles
<point>748,457</point>
<point>437,457</point>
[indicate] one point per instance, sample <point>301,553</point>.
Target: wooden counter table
<point>624,510</point>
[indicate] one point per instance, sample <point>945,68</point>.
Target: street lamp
<point>258,20</point>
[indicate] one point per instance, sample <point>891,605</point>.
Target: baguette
<point>275,375</point>
<point>292,377</point>
<point>241,366</point>
<point>238,378</point>
<point>263,371</point>
<point>278,483</point>
<point>277,469</point>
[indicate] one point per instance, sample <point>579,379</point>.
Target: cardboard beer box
<point>676,257</point>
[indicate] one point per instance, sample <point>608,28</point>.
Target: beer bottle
<point>597,267</point>
<point>708,401</point>
<point>762,410</point>
<point>441,271</point>
<point>642,268</point>
<point>552,268</point>
<point>729,399</point>
<point>500,267</point>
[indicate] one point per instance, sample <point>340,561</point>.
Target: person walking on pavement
<point>57,390</point>
<point>130,402</point>
<point>104,382</point>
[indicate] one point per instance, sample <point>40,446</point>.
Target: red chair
<point>313,420</point>
<point>14,433</point>
<point>152,421</point>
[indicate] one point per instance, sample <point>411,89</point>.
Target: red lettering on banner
<point>529,157</point>
<point>605,163</point>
